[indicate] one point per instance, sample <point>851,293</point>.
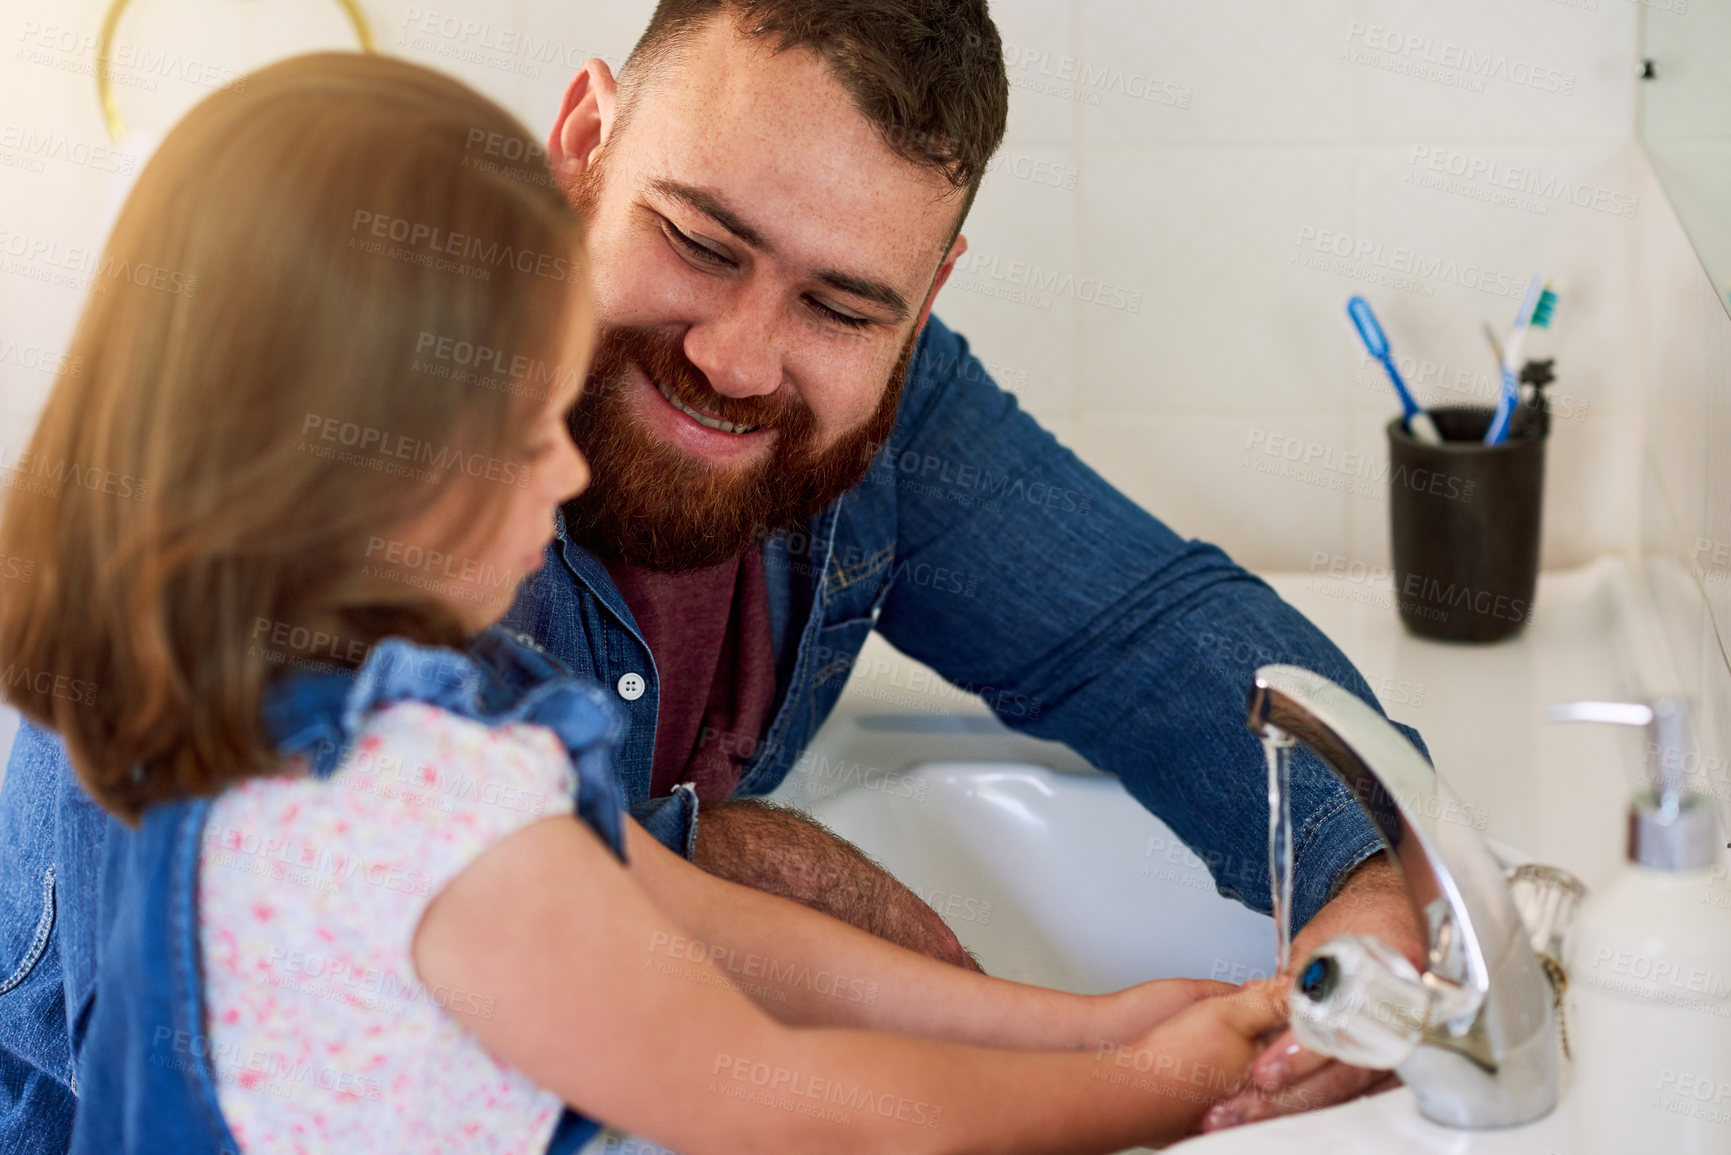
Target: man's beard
<point>654,506</point>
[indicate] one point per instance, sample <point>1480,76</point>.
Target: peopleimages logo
<point>87,270</point>
<point>1495,181</point>
<point>133,65</point>
<point>797,1091</point>
<point>974,479</point>
<point>47,683</point>
<point>39,358</point>
<point>1447,62</point>
<point>1398,266</point>
<point>1421,592</point>
<point>1354,473</point>
<point>38,147</point>
<point>1432,384</point>
<point>381,446</point>
<point>479,42</point>
<point>1072,78</point>
<point>42,476</point>
<point>1031,283</point>
<point>434,241</point>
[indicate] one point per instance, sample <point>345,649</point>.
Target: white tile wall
<point>1207,241</point>
<point>1170,172</point>
<point>1227,153</point>
<point>1231,70</point>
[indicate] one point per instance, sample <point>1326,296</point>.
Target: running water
<point>1278,747</point>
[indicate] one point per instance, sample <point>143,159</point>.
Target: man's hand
<point>1287,1078</point>
<point>780,851</point>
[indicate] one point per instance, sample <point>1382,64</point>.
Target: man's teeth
<point>701,419</point>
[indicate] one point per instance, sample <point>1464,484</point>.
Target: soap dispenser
<point>1649,976</point>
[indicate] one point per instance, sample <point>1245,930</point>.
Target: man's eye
<point>696,249</point>
<point>839,318</point>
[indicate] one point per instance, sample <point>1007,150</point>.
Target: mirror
<point>1686,121</point>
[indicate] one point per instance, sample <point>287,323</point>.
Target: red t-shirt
<point>709,634</point>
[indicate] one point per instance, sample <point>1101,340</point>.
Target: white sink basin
<point>1063,880</point>
<point>1056,879</point>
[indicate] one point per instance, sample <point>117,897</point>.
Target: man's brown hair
<point>202,495</point>
<point>928,74</point>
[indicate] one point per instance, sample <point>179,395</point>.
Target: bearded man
<point>781,437</point>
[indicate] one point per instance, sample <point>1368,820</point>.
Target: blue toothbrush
<point>1418,422</point>
<point>1538,306</point>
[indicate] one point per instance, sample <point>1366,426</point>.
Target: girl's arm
<point>808,969</point>
<point>557,944</point>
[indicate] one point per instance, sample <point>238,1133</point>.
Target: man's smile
<point>691,431</point>
<point>701,418</point>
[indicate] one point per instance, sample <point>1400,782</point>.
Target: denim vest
<point>149,1081</point>
<point>978,545</point>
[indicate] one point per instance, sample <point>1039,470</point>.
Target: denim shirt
<point>980,546</point>
<point>149,1078</point>
<point>976,544</point>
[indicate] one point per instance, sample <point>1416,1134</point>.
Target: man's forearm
<point>782,852</point>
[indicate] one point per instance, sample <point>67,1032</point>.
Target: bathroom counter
<point>970,814</point>
<point>1554,793</point>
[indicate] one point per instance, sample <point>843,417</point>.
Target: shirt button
<point>631,687</point>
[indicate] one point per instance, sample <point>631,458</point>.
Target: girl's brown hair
<point>277,361</point>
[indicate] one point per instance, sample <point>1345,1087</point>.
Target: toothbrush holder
<point>1464,520</point>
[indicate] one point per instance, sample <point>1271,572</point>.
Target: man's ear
<point>959,247</point>
<point>584,122</point>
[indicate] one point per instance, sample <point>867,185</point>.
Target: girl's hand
<point>1289,1078</point>
<point>1202,1054</point>
<point>1125,1016</point>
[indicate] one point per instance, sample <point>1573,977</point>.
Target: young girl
<point>377,891</point>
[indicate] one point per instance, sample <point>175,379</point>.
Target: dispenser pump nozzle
<point>1670,827</point>
<point>1669,745</point>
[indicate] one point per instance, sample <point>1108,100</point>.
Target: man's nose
<point>736,350</point>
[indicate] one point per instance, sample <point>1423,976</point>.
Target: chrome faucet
<point>1474,1036</point>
